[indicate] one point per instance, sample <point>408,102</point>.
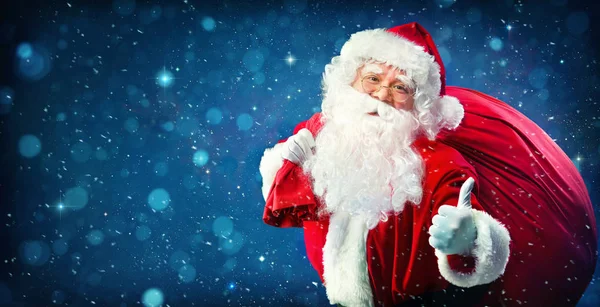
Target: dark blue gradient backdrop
<point>131,133</point>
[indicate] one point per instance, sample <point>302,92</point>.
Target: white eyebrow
<point>406,81</point>
<point>372,68</point>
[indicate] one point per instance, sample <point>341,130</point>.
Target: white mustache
<point>366,104</point>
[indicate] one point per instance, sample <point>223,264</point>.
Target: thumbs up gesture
<point>453,230</point>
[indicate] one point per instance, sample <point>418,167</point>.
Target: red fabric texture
<point>294,205</point>
<point>523,179</point>
<point>291,200</point>
<point>530,185</point>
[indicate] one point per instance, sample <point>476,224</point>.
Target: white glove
<point>298,147</point>
<point>453,230</point>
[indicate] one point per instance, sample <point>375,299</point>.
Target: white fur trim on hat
<point>270,163</point>
<point>452,112</point>
<point>381,45</point>
<point>491,254</point>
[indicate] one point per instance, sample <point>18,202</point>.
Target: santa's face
<point>385,83</point>
<point>364,165</point>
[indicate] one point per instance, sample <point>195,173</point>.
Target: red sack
<point>528,183</point>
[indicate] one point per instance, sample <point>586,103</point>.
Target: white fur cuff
<point>491,254</point>
<point>270,163</point>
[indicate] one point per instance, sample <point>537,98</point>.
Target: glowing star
<point>508,27</point>
<point>261,258</point>
<point>290,60</point>
<point>231,286</point>
<point>60,206</point>
<point>164,78</point>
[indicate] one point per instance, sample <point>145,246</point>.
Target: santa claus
<point>406,198</point>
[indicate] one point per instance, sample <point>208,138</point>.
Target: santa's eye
<point>371,79</point>
<point>400,88</point>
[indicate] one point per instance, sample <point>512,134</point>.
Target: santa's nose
<point>383,94</point>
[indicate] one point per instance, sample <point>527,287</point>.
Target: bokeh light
<point>496,44</point>
<point>214,116</point>
<point>60,247</point>
<point>32,62</point>
<point>153,297</point>
<point>143,232</point>
<point>200,158</point>
<point>24,50</point>
<point>29,146</point>
<point>168,126</point>
<point>232,244</point>
<point>61,117</point>
<point>34,253</point>
<point>230,264</point>
<point>95,237</point>
<point>161,169</point>
<point>81,152</point>
<point>76,198</point>
<point>208,23</point>
<point>187,273</point>
<point>101,154</point>
<point>58,297</point>
<point>538,77</point>
<point>131,125</point>
<point>253,60</point>
<point>178,259</point>
<point>222,226</point>
<point>578,22</point>
<point>244,122</point>
<point>159,199</point>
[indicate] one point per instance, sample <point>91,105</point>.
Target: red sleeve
<point>446,193</point>
<point>291,199</point>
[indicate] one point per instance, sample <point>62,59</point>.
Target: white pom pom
<point>452,112</point>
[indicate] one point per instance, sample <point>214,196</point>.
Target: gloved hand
<point>453,230</point>
<point>298,147</point>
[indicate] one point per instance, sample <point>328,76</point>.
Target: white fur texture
<point>381,46</point>
<point>364,168</point>
<point>345,272</point>
<point>388,47</point>
<point>491,254</point>
<point>452,112</point>
<point>364,165</point>
<point>270,163</point>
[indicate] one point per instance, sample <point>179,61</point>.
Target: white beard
<point>364,165</point>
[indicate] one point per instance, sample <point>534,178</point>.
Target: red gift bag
<point>528,183</point>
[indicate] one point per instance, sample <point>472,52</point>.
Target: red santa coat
<point>402,265</point>
<point>549,264</point>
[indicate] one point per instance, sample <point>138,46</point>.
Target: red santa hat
<point>410,48</point>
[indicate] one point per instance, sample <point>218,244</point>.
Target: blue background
<point>131,133</point>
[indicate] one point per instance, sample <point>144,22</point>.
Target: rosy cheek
<point>407,106</point>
